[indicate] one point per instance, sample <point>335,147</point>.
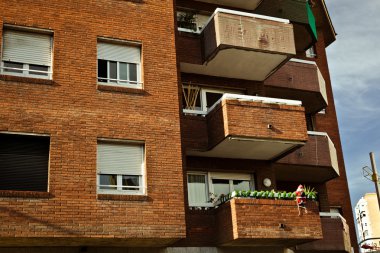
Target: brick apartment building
<point>123,122</point>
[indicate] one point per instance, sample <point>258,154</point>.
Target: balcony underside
<point>241,4</point>
<point>76,240</point>
<point>315,162</point>
<point>246,148</point>
<point>237,63</point>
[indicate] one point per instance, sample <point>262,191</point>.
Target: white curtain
<point>197,190</point>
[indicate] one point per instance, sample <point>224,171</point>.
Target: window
<point>120,168</point>
<point>26,54</point>
<point>201,99</point>
<point>202,185</point>
<point>310,122</point>
<point>311,53</point>
<point>189,21</point>
<point>119,65</point>
<point>24,162</point>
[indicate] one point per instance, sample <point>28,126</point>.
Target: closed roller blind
<point>121,53</point>
<point>27,47</point>
<point>24,162</point>
<point>121,159</point>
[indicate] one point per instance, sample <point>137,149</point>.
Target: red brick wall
<point>256,222</point>
<point>74,113</point>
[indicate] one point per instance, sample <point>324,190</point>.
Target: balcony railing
<point>301,80</point>
<point>251,127</point>
<point>241,4</point>
<point>336,236</point>
<point>298,12</point>
<point>316,161</point>
<point>264,222</point>
<point>300,15</point>
<point>243,45</point>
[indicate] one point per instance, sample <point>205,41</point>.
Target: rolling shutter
<point>120,53</point>
<point>27,47</point>
<point>120,159</point>
<point>24,162</point>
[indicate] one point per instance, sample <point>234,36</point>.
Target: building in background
<point>368,220</point>
<point>169,126</point>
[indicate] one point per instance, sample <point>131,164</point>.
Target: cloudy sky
<point>354,61</point>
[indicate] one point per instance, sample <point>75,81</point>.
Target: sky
<point>354,62</point>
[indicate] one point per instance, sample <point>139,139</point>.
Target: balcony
<point>240,4</point>
<point>336,236</point>
<point>316,161</point>
<point>264,222</point>
<point>300,15</point>
<point>243,45</point>
<point>250,127</point>
<point>300,80</point>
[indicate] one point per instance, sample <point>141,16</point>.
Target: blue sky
<point>354,61</point>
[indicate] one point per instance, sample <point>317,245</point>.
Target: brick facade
<point>75,112</point>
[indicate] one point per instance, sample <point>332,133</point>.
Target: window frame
<point>218,175</point>
<point>203,98</point>
<point>119,177</point>
<point>26,66</point>
<point>118,82</point>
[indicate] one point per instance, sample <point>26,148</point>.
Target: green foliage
<point>311,195</point>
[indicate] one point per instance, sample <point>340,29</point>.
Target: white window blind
<point>120,159</point>
<point>27,47</point>
<point>120,53</point>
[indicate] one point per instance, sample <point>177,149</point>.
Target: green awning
<point>311,19</point>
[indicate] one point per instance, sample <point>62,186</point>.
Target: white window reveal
<point>203,188</point>
<point>119,65</point>
<point>27,54</point>
<point>120,168</point>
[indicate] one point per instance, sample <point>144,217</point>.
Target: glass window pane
<point>106,182</point>
<point>39,68</point>
<point>131,181</point>
<point>221,186</point>
<point>241,185</point>
<point>123,68</point>
<point>113,70</point>
<point>17,67</point>
<point>102,70</point>
<point>132,72</point>
<point>212,98</point>
<point>197,191</point>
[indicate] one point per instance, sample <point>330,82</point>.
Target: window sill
<point>123,197</point>
<point>25,194</point>
<point>137,91</point>
<point>23,79</point>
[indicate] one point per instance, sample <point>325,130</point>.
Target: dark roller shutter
<point>24,162</point>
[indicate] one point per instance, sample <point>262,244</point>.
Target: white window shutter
<point>27,47</point>
<point>120,53</point>
<point>120,159</point>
